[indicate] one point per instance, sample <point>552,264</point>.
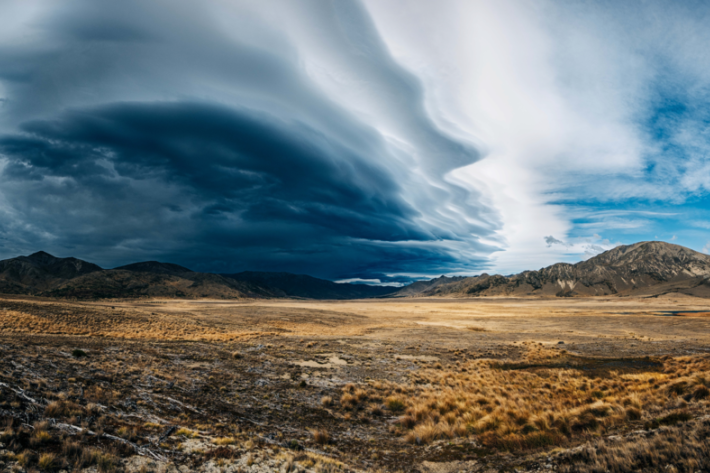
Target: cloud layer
<point>200,134</point>
<point>352,140</point>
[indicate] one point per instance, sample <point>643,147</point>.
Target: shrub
<point>633,413</point>
<point>348,401</point>
<point>701,392</point>
<point>25,458</point>
<point>395,404</point>
<point>40,437</point>
<point>321,436</point>
<point>407,422</point>
<point>48,462</point>
<point>78,353</point>
<point>678,388</point>
<point>71,449</point>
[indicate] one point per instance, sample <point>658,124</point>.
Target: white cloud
<point>561,95</point>
<point>369,282</point>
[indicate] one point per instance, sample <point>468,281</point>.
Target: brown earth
<point>391,385</point>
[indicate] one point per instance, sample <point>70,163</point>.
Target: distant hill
<point>308,287</point>
<point>420,287</point>
<point>117,283</point>
<point>155,267</point>
<point>42,274</point>
<point>644,269</point>
<point>39,272</point>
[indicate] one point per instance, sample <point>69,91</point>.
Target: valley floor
<point>430,385</point>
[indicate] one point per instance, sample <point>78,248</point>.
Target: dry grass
<point>681,448</point>
<point>513,407</point>
<point>187,433</point>
<point>48,462</point>
<point>225,441</point>
<point>320,436</point>
<point>429,378</point>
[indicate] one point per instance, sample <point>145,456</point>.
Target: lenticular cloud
<point>228,136</point>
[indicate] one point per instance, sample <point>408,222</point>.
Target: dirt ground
<point>291,385</point>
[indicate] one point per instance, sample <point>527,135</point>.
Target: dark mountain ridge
<point>155,267</point>
<point>40,271</point>
<point>42,274</point>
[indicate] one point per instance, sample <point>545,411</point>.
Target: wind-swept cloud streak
<point>582,106</point>
<point>206,135</point>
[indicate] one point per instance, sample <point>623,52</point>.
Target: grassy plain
<point>393,385</point>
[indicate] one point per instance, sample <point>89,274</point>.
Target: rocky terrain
<point>643,269</point>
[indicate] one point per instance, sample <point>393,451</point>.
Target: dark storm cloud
<point>229,161</point>
<point>144,130</point>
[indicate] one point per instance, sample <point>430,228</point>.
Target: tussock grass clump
<point>225,441</point>
<point>320,436</point>
<point>48,462</point>
<point>185,432</point>
<point>40,437</point>
<point>63,408</point>
<point>395,404</point>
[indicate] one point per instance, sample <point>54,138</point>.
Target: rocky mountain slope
<point>646,268</point>
<point>419,287</point>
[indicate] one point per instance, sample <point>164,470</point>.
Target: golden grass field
<point>390,385</point>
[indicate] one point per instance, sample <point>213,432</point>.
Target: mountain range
<point>42,274</point>
<point>642,269</point>
<point>648,268</point>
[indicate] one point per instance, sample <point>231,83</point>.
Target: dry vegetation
<point>549,399</point>
<point>251,387</point>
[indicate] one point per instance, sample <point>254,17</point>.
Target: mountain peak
<point>42,257</point>
<point>648,252</point>
<point>155,267</point>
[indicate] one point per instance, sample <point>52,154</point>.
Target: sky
<point>377,140</point>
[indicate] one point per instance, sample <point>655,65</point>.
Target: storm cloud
<point>204,134</point>
<point>352,139</point>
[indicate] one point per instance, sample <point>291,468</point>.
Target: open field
<point>393,385</point>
